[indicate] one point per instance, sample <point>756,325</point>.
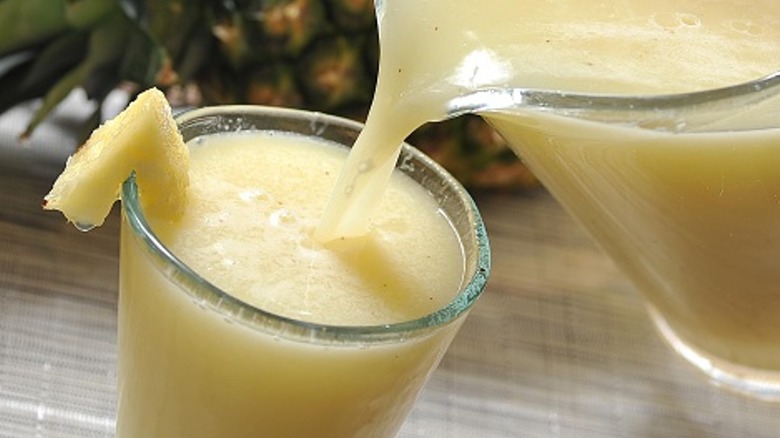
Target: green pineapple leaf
<point>27,23</point>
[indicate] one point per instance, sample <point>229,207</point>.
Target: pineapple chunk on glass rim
<point>142,139</point>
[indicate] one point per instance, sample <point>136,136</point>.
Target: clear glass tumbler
<point>196,362</point>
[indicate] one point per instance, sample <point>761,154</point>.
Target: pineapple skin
<point>319,55</point>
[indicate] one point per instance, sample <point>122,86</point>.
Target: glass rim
<point>293,328</point>
<point>498,99</point>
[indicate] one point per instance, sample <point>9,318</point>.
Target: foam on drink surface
<point>255,201</point>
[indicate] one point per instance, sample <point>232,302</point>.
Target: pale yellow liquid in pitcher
<point>693,217</point>
<point>188,371</point>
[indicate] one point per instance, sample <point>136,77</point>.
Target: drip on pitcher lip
<point>84,227</point>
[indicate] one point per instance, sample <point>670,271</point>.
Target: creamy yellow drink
<point>691,217</point>
<point>685,198</point>
<point>253,203</point>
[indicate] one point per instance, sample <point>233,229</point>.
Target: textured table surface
<point>559,345</point>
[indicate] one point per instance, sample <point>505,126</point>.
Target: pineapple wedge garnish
<point>143,139</point>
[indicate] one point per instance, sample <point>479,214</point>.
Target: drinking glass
<point>683,191</point>
<point>196,362</point>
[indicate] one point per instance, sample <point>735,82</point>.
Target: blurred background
<point>314,54</point>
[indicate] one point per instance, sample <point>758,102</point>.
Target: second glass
<point>683,192</point>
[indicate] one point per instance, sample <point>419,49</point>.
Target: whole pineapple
<point>314,54</point>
